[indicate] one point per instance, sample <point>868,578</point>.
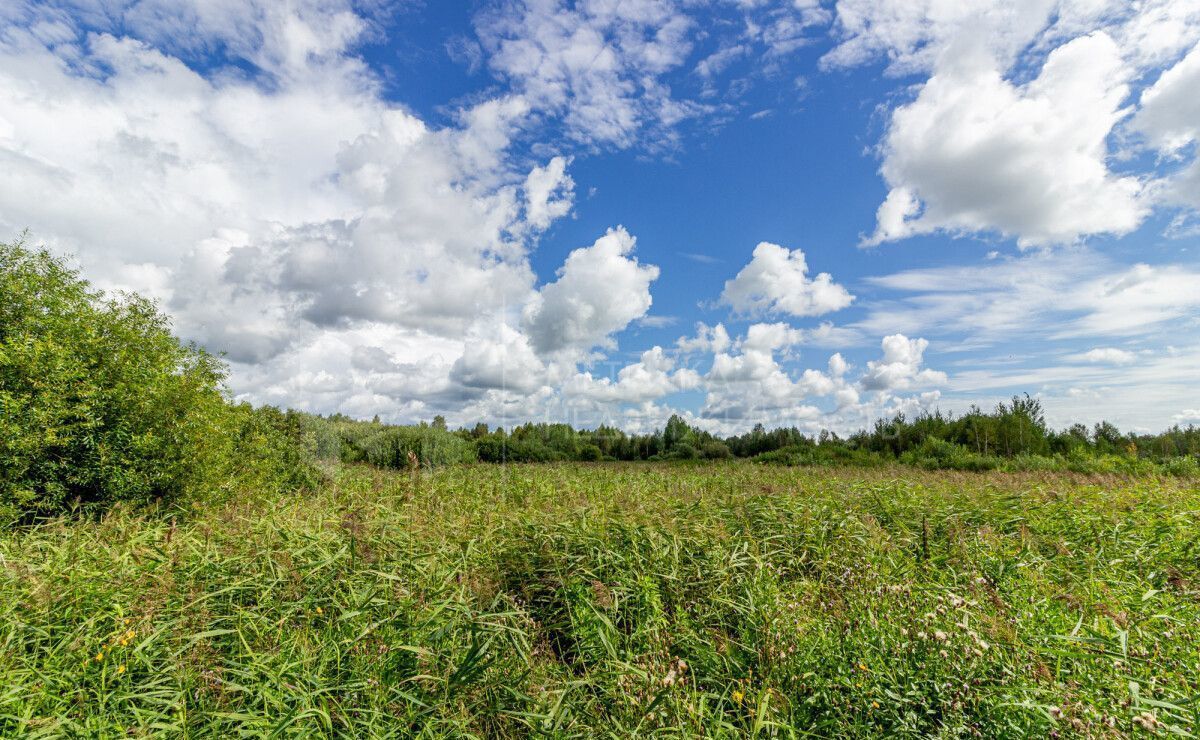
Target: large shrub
<point>938,454</point>
<point>99,402</point>
<point>389,446</point>
<point>277,450</point>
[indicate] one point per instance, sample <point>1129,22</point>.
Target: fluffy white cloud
<point>250,210</point>
<point>900,367</point>
<point>752,384</point>
<point>751,366</point>
<point>838,365</point>
<point>548,192</point>
<point>976,152</point>
<point>649,379</point>
<point>769,337</point>
<point>980,149</point>
<point>342,252</point>
<point>499,358</point>
<point>1170,119</point>
<point>1154,32</point>
<point>707,339</point>
<point>366,370</point>
<point>1170,108</point>
<point>776,281</point>
<point>599,291</point>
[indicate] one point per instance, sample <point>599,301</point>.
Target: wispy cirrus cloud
<point>1060,295</point>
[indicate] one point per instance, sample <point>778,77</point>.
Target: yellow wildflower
<point>99,657</point>
<point>121,668</point>
<point>738,696</point>
<point>320,610</point>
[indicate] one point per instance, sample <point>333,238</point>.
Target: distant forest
<point>1014,436</point>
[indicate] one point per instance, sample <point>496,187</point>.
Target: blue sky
<point>742,211</point>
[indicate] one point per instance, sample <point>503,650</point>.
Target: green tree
<point>676,432</point>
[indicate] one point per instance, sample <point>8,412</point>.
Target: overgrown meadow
<point>577,600</point>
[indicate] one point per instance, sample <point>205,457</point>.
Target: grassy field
<point>610,600</point>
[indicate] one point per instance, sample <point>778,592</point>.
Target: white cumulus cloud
<point>648,379</point>
<point>1020,125</point>
<point>599,291</point>
<point>900,368</point>
<point>1170,119</point>
<point>977,152</point>
<point>339,249</point>
<point>776,281</point>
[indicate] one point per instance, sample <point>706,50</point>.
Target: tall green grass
<point>616,600</point>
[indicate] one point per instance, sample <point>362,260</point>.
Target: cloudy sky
<point>806,212</point>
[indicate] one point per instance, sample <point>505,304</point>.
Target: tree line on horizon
<point>1014,431</point>
<point>100,403</point>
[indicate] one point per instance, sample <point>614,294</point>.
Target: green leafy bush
<point>826,454</point>
<point>1183,467</point>
<point>390,446</point>
<point>100,402</point>
<point>275,450</point>
<point>682,451</point>
<point>938,454</point>
<point>590,453</point>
